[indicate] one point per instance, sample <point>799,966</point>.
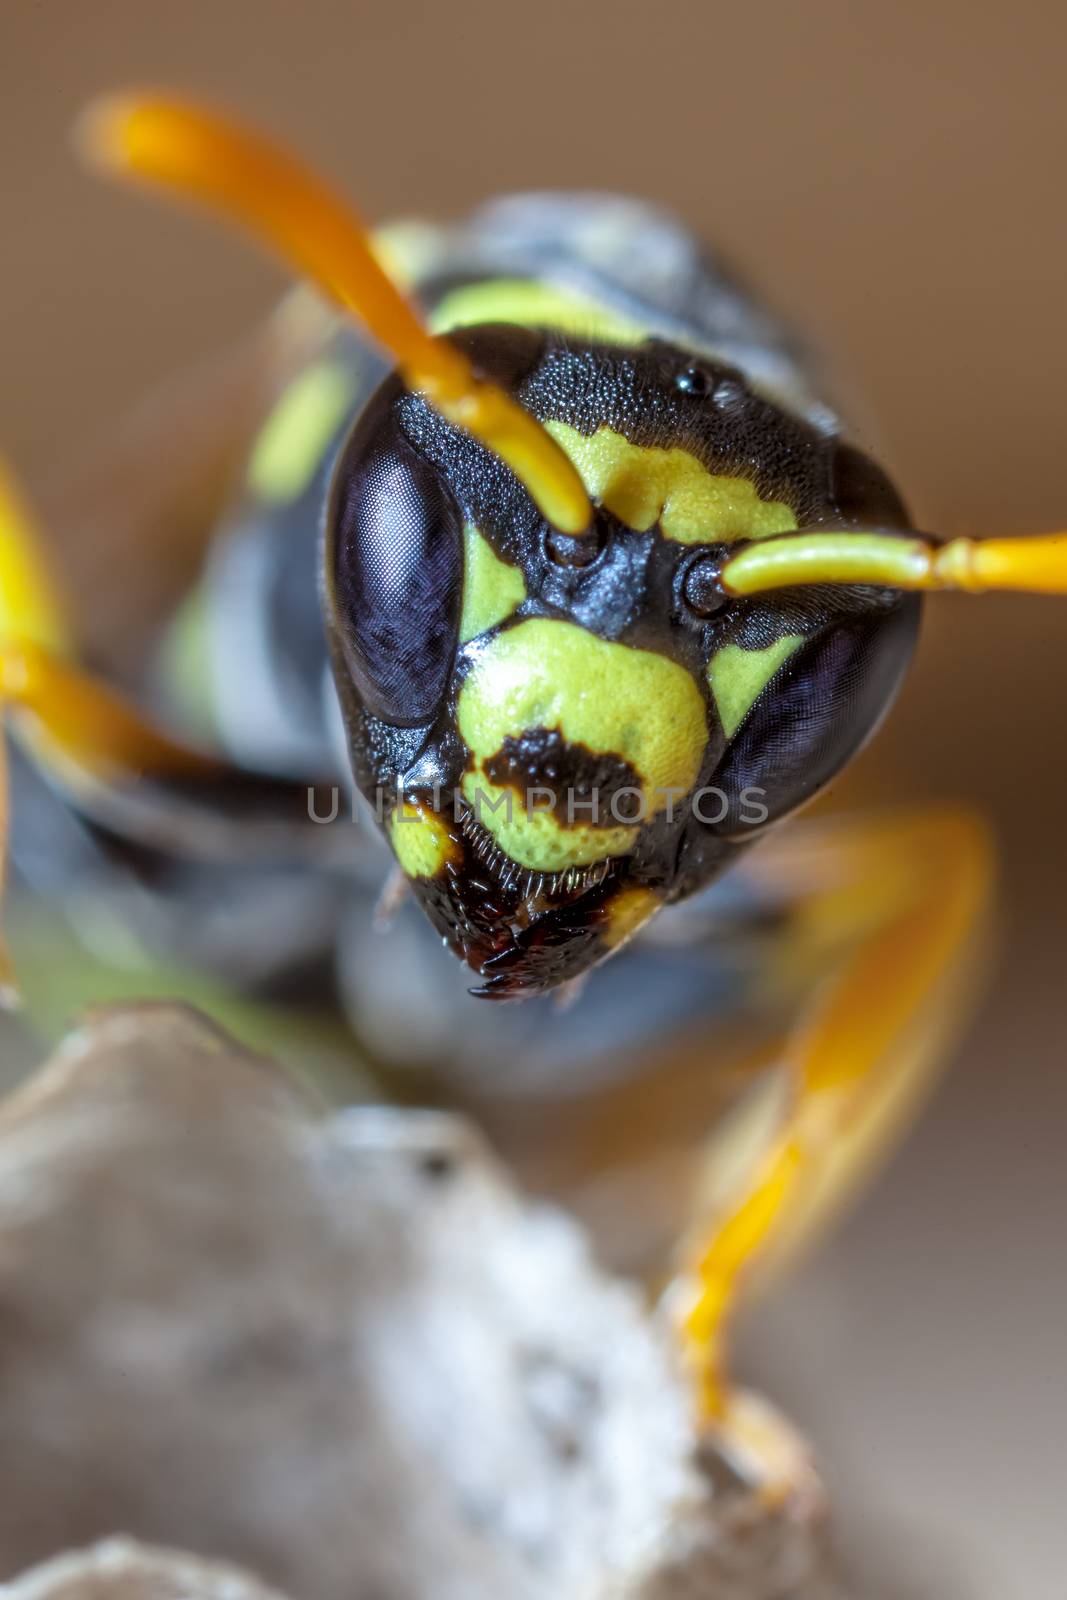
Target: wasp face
<point>567,733</point>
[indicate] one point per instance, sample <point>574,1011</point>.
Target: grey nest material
<point>337,1350</point>
<point>120,1569</point>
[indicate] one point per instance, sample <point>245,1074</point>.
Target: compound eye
<point>396,575</point>
<point>826,703</point>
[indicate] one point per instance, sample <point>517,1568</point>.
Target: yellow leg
<point>86,724</point>
<point>80,727</point>
<point>29,605</point>
<point>917,887</point>
<point>74,721</point>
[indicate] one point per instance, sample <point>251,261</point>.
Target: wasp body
<point>560,734</point>
<point>587,593</point>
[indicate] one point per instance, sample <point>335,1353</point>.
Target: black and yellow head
<point>571,731</point>
<point>578,641</point>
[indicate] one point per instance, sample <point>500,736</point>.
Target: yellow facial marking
<point>421,842</point>
<point>646,485</point>
<point>610,697</point>
<point>627,912</point>
<point>295,435</point>
<point>491,588</point>
<point>534,305</point>
<point>738,676</point>
<point>533,836</point>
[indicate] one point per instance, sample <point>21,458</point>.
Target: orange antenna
<point>1037,565</point>
<point>248,179</point>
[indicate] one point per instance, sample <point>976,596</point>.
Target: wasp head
<point>566,732</point>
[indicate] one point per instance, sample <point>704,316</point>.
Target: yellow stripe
<point>291,445</point>
<point>644,485</point>
<point>534,305</point>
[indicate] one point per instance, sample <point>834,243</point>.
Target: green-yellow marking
<point>644,485</point>
<point>421,842</point>
<point>534,305</point>
<point>738,677</point>
<point>186,664</point>
<point>492,589</point>
<point>533,837</point>
<point>295,435</point>
<point>610,697</point>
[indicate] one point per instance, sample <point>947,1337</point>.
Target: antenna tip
<point>112,129</point>
<point>101,132</point>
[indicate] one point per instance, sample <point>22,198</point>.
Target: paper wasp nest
<point>337,1350</point>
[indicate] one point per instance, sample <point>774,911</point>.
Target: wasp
<point>554,551</point>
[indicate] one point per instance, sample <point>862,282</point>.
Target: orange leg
<point>917,888</point>
<point>86,724</point>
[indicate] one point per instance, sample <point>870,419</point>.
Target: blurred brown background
<point>893,176</point>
